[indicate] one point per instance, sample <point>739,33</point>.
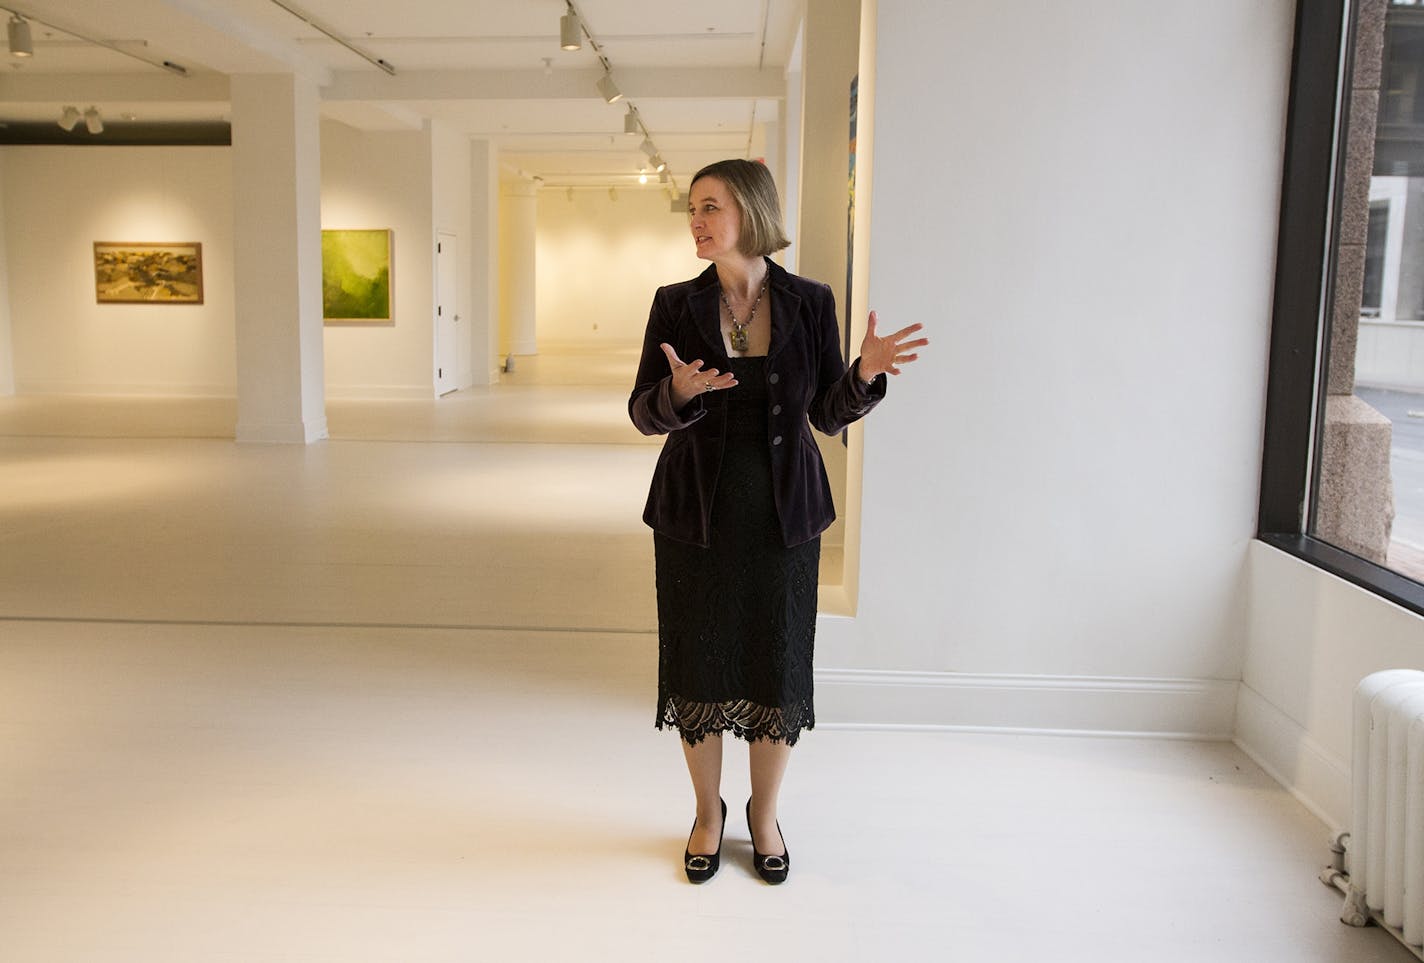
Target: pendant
<point>739,338</point>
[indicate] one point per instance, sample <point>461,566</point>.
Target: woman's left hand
<point>884,355</point>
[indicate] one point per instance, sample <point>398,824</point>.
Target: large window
<point>1343,470</point>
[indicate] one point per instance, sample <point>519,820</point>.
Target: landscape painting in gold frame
<point>127,272</point>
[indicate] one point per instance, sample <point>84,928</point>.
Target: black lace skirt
<point>737,620</point>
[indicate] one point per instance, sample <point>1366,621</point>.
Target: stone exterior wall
<point>1355,500</point>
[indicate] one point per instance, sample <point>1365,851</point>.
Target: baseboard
<point>287,433</point>
<point>1078,705</point>
<point>582,345</point>
<point>82,388</point>
<point>1319,778</point>
<point>380,392</point>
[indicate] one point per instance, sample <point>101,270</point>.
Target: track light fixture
<point>69,119</point>
<point>570,30</point>
<point>658,163</point>
<point>630,121</point>
<point>648,147</point>
<point>20,43</point>
<point>609,89</point>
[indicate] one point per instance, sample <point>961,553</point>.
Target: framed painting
<point>356,276</point>
<point>140,273</point>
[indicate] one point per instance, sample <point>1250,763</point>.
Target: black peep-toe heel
<point>772,869</point>
<point>702,868</point>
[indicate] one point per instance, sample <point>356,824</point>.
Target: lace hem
<point>742,718</point>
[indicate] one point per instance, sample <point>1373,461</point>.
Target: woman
<point>739,497</point>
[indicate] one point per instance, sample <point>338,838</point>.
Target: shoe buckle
<point>773,864</point>
<point>699,864</point>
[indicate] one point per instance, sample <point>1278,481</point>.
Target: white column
<point>276,167</point>
<point>773,144</point>
<point>521,207</point>
<point>484,262</point>
<point>791,167</point>
<point>7,340</point>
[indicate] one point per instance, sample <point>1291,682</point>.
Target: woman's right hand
<point>690,379</point>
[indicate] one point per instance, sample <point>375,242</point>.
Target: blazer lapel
<point>785,308</point>
<point>705,309</point>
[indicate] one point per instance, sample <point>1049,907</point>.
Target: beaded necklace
<point>739,328</point>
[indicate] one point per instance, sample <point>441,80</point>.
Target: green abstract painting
<point>356,275</point>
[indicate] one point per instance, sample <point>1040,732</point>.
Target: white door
<point>447,316</point>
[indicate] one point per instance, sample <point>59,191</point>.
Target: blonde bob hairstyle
<point>751,186</point>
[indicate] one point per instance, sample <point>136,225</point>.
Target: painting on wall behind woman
<point>146,273</point>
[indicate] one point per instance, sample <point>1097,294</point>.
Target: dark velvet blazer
<point>806,379</point>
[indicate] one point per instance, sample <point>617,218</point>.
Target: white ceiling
<point>704,77</point>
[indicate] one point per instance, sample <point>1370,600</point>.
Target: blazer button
<point>776,440</point>
<point>776,409</point>
<point>774,378</point>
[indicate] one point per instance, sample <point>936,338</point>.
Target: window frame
<point>1317,119</point>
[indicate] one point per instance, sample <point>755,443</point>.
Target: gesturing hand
<point>690,379</point>
<point>879,355</point>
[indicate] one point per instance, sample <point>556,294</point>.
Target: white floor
<point>389,698</point>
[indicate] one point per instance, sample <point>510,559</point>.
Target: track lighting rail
<point>168,65</point>
<point>320,27</point>
<point>571,25</point>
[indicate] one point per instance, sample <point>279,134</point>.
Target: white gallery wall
<point>1312,638</point>
<point>517,270</point>
<point>383,179</point>
<point>600,260</point>
<point>58,202</point>
<point>1057,502</point>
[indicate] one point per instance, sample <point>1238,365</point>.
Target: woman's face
<point>715,219</point>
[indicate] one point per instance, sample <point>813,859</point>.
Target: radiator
<point>1383,870</point>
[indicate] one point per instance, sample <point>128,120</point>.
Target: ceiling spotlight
<point>570,31</point>
<point>20,45</point>
<point>609,89</point>
<point>658,163</point>
<point>69,118</point>
<point>648,147</point>
<point>93,121</point>
<point>630,121</point>
<point>643,176</point>
<point>663,177</point>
